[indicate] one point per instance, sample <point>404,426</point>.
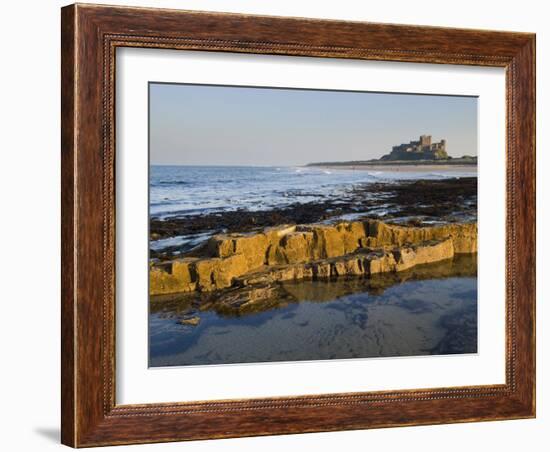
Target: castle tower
<point>425,140</point>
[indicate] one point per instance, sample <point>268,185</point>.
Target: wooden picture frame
<point>90,36</point>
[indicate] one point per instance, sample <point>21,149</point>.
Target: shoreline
<point>406,168</point>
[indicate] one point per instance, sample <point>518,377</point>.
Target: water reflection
<point>428,310</point>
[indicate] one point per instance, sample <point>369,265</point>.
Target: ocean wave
<point>187,191</point>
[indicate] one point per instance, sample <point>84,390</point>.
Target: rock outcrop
<point>317,251</point>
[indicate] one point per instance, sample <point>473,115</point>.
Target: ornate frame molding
<point>90,36</point>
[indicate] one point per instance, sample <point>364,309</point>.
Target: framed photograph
<point>282,225</point>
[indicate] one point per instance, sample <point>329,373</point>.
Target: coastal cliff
<point>309,252</point>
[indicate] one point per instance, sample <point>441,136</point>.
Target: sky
<point>227,125</point>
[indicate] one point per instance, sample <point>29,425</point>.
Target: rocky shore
<point>257,261</point>
<point>406,202</point>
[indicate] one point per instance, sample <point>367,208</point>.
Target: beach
<point>232,248</point>
<point>410,167</point>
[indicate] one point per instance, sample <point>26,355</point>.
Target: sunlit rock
<point>315,251</point>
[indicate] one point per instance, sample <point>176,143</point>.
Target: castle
<point>423,149</point>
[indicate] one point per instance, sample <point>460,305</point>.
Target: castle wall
<point>423,149</point>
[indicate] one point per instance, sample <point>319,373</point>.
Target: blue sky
<point>222,125</point>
